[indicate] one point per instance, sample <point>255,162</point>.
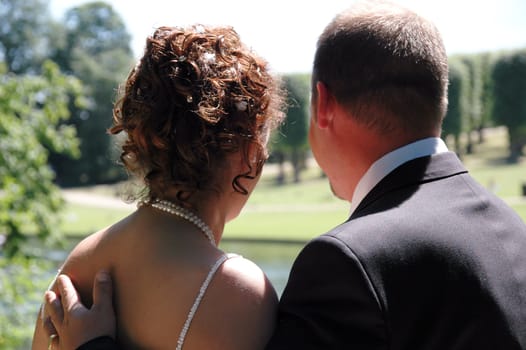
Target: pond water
<point>274,258</point>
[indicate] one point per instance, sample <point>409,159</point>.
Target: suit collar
<point>416,171</point>
<point>392,160</point>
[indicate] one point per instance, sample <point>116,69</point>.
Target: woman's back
<point>159,264</point>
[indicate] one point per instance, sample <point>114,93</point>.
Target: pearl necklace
<point>184,213</point>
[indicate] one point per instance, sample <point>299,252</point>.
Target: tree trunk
<point>280,178</point>
<point>470,143</point>
<point>481,135</point>
<point>296,164</point>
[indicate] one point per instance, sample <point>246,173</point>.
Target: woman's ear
<point>254,154</point>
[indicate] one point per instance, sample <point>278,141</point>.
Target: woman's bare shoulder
<point>241,297</point>
<point>244,275</point>
<point>243,285</point>
<point>94,252</point>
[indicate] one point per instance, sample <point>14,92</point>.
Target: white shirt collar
<point>392,160</point>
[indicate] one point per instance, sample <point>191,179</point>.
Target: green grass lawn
<point>290,212</point>
<point>304,210</point>
<point>81,220</point>
<point>284,224</point>
<point>520,209</point>
<point>489,166</point>
<point>294,211</point>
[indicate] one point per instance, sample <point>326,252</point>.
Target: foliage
<point>24,33</point>
<point>96,49</point>
<point>291,138</point>
<point>454,122</point>
<point>470,98</point>
<point>295,127</point>
<point>474,96</point>
<point>509,78</point>
<point>22,282</point>
<point>31,110</point>
<point>95,28</point>
<point>488,61</point>
<point>91,43</point>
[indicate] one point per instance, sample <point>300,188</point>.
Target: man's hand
<point>71,320</point>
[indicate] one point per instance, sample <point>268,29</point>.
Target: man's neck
<point>390,161</point>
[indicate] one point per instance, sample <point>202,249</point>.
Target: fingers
<point>68,294</point>
<point>49,327</point>
<point>102,290</point>
<point>53,342</point>
<point>53,311</point>
<point>73,323</point>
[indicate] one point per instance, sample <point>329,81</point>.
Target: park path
<point>88,198</point>
<point>83,197</point>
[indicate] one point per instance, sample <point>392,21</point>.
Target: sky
<point>285,31</point>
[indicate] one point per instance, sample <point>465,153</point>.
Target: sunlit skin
<point>345,148</point>
<point>142,250</point>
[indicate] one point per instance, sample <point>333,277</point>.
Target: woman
<point>196,114</point>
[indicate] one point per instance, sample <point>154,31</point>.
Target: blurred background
<point>61,62</point>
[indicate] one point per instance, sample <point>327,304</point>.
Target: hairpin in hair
<point>241,105</point>
<point>209,57</point>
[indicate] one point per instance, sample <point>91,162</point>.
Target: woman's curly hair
<point>197,95</point>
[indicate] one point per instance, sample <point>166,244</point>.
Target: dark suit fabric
<point>429,260</point>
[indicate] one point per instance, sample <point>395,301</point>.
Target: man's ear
<point>324,104</point>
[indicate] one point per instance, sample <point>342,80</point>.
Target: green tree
<point>22,281</point>
<point>455,121</point>
<point>487,98</point>
<point>474,91</point>
<point>509,78</point>
<point>24,32</point>
<point>291,139</point>
<point>95,48</point>
<point>31,110</point>
<point>96,28</point>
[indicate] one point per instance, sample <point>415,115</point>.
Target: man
<point>428,258</point>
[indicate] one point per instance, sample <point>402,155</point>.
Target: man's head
<point>379,82</point>
<point>387,66</point>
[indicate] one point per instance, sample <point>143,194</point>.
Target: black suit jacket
<point>429,260</point>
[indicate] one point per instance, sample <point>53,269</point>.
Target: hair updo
<point>197,95</point>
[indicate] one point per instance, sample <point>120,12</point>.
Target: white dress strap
<point>199,297</point>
